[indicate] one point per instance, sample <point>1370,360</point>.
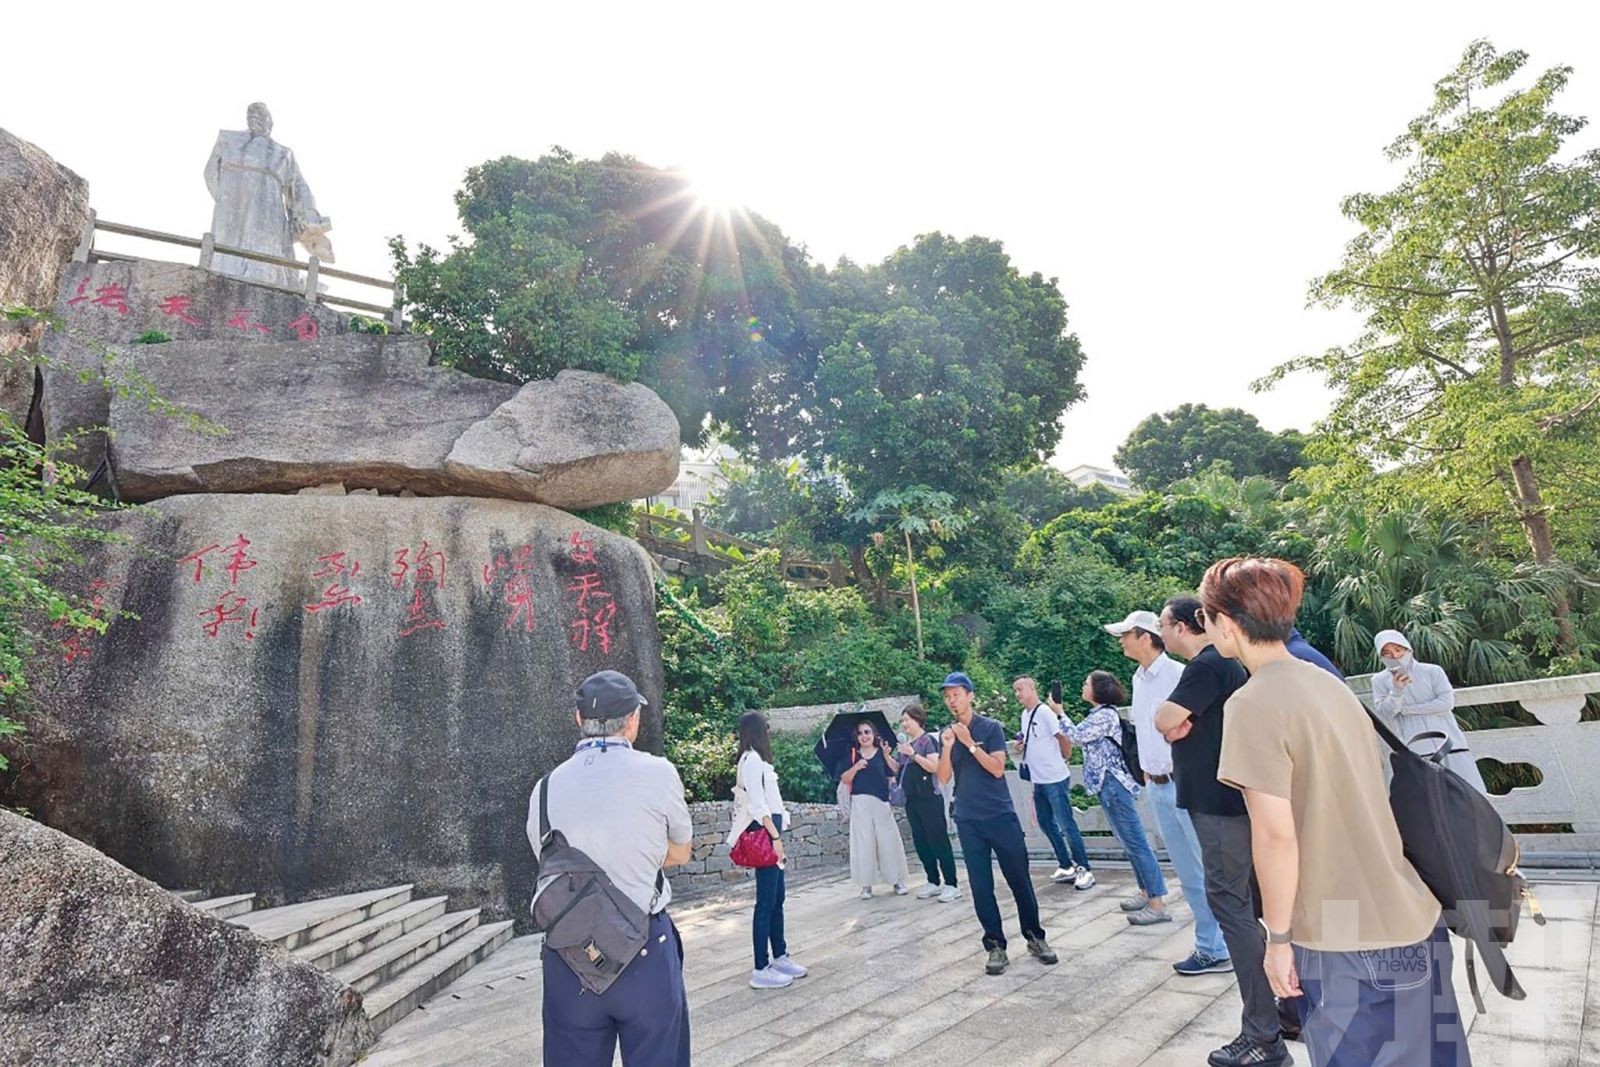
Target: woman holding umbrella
<point>877,853</point>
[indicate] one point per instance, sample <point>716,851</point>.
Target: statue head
<point>259,119</point>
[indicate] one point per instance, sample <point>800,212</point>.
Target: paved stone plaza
<point>896,980</point>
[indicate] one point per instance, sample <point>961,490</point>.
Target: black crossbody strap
<point>544,813</point>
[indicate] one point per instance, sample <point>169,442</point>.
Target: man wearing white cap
<point>1153,682</point>
<point>1417,698</point>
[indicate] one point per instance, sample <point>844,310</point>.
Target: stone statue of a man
<point>262,203</point>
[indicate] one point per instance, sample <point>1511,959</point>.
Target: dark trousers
<point>646,1009</point>
<point>931,836</point>
<point>1392,1007</point>
<point>1231,893</point>
<point>985,842</point>
<point>767,926</point>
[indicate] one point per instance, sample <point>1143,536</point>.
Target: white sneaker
<point>901,889</point>
<point>928,892</point>
<point>769,978</point>
<point>785,965</point>
<point>866,892</point>
<point>949,893</point>
<point>1085,880</point>
<point>1064,874</point>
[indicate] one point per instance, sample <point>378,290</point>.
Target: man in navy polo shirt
<point>974,754</point>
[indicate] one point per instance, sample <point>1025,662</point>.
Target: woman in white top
<point>758,804</point>
<point>1415,698</point>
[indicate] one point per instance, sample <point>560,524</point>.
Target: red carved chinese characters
<point>336,595</point>
<point>230,609</point>
<point>241,321</point>
<point>231,606</point>
<point>75,646</point>
<point>425,569</point>
<point>111,296</point>
<point>519,587</point>
<point>178,307</point>
<point>305,328</point>
<point>596,609</point>
<point>582,549</point>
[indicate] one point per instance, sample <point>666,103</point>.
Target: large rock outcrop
<point>44,208</point>
<point>370,412</point>
<point>104,306</point>
<point>577,441</point>
<point>306,695</point>
<point>102,967</point>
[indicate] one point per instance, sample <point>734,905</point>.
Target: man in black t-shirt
<point>974,754</point>
<point>1191,718</point>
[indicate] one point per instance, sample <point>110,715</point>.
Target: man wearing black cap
<point>974,754</point>
<point>625,809</point>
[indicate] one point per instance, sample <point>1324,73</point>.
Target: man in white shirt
<point>1043,750</point>
<point>1153,682</point>
<point>625,810</point>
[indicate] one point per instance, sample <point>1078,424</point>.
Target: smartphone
<point>1055,690</point>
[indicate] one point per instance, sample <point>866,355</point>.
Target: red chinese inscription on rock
<point>230,609</point>
<point>305,328</point>
<point>518,586</point>
<point>335,565</point>
<point>111,296</point>
<point>596,609</point>
<point>241,321</point>
<point>178,307</point>
<point>424,568</point>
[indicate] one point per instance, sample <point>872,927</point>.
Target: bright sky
<point>1178,167</point>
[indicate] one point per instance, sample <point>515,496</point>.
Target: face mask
<point>1402,663</point>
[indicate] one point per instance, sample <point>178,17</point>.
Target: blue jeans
<point>646,1009</point>
<point>1123,815</point>
<point>767,927</point>
<point>985,842</point>
<point>1393,1007</point>
<point>1183,848</point>
<point>1052,806</point>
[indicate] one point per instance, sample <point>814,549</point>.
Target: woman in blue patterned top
<point>1106,775</point>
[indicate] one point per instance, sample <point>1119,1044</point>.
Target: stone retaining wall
<point>818,838</point>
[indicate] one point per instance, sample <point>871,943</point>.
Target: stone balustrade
<point>817,838</point>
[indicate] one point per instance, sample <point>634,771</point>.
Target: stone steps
<point>394,950</point>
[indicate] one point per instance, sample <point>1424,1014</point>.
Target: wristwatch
<point>1272,938</point>
<point>972,748</point>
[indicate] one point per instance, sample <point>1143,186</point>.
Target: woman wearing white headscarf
<point>1417,697</point>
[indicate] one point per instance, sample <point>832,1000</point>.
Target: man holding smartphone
<point>1042,749</point>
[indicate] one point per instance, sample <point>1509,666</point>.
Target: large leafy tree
<point>1476,384</point>
<point>1191,438</point>
<point>942,366</point>
<point>613,265</point>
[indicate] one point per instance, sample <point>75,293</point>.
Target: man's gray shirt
<point>621,808</point>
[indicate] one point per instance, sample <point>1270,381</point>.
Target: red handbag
<point>754,849</point>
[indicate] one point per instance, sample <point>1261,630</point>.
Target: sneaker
<point>1135,903</point>
<point>1040,949</point>
<point>1201,963</point>
<point>1243,1052</point>
<point>1065,874</point>
<point>949,894</point>
<point>769,977</point>
<point>785,965</point>
<point>928,892</point>
<point>901,889</point>
<point>1085,879</point>
<point>997,961</point>
<point>866,892</point>
<point>1148,916</point>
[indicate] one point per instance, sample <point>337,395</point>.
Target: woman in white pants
<point>877,853</point>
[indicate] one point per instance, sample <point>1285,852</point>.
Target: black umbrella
<point>833,750</point>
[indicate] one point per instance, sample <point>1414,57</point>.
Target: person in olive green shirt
<point>1347,920</point>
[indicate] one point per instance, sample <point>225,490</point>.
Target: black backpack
<point>1464,853</point>
<point>595,927</point>
<point>1130,750</point>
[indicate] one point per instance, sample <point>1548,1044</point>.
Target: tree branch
<point>1555,422</point>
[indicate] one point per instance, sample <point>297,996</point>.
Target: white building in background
<point>699,476</point>
<point>1084,475</point>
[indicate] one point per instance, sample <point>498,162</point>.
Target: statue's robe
<point>262,204</point>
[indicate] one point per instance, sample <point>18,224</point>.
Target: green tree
<point>1038,494</point>
<point>918,510</point>
<point>942,366</point>
<point>1476,383</point>
<point>612,265</point>
<point>1191,438</point>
